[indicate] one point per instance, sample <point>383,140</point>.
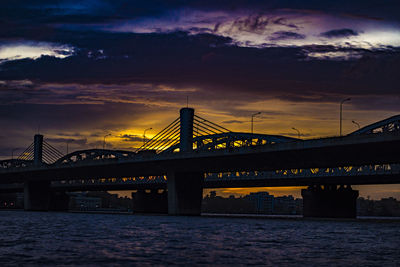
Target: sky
<point>76,71</point>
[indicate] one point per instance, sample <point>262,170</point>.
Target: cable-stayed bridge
<point>193,153</point>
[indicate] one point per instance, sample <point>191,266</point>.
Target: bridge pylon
<point>37,193</point>
<point>38,150</point>
<point>186,131</point>
<point>185,189</point>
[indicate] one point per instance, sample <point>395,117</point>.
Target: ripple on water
<point>101,239</point>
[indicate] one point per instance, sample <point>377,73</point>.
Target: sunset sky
<point>78,70</point>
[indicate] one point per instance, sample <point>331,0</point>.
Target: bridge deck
<point>319,153</point>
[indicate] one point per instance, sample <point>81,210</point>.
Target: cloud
<point>245,23</point>
<point>257,23</point>
<point>33,50</point>
<point>131,138</point>
<point>338,33</point>
<point>233,121</point>
<point>282,35</point>
<point>186,64</point>
<point>335,55</point>
<point>283,21</point>
<point>81,142</point>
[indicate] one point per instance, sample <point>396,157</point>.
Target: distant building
<point>79,201</point>
<point>384,207</point>
<point>285,205</point>
<point>263,202</point>
<point>216,204</point>
<point>254,203</point>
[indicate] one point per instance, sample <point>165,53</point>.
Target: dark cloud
<point>256,23</point>
<point>283,21</point>
<point>81,142</point>
<point>295,134</point>
<point>205,62</point>
<point>310,98</point>
<point>122,8</point>
<point>132,138</point>
<point>282,35</point>
<point>233,121</point>
<point>64,118</point>
<point>339,33</point>
<point>71,135</point>
<point>43,19</point>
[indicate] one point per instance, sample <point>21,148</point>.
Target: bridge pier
<point>185,192</point>
<point>329,202</point>
<point>59,201</point>
<point>37,195</point>
<point>151,201</point>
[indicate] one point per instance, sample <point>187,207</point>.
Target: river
<point>36,238</point>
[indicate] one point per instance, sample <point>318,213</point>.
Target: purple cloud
<point>339,33</point>
<point>283,35</point>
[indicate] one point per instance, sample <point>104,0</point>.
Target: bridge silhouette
<point>193,153</point>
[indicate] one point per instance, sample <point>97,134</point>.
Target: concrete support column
<point>330,202</point>
<point>37,195</point>
<point>150,201</point>
<point>185,192</point>
<point>186,131</point>
<point>59,201</point>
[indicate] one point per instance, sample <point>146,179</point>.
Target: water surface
<point>101,239</point>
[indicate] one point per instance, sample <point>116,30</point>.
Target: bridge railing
<point>112,181</point>
<point>387,169</point>
<point>367,170</point>
<point>15,163</point>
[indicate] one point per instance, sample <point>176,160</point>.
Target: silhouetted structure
<point>262,202</point>
<point>384,207</point>
<point>254,203</point>
<point>191,148</point>
<point>150,201</point>
<point>12,201</point>
<point>81,201</point>
<point>329,201</point>
<point>216,204</point>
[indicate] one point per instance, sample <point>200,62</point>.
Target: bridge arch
<point>391,124</point>
<point>93,155</point>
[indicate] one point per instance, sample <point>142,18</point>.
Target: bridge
<point>193,153</point>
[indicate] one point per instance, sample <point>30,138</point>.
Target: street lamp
<point>144,135</point>
<point>104,140</point>
<point>252,120</point>
<point>12,152</point>
<point>69,141</point>
<point>298,132</point>
<point>356,123</point>
<point>341,107</point>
